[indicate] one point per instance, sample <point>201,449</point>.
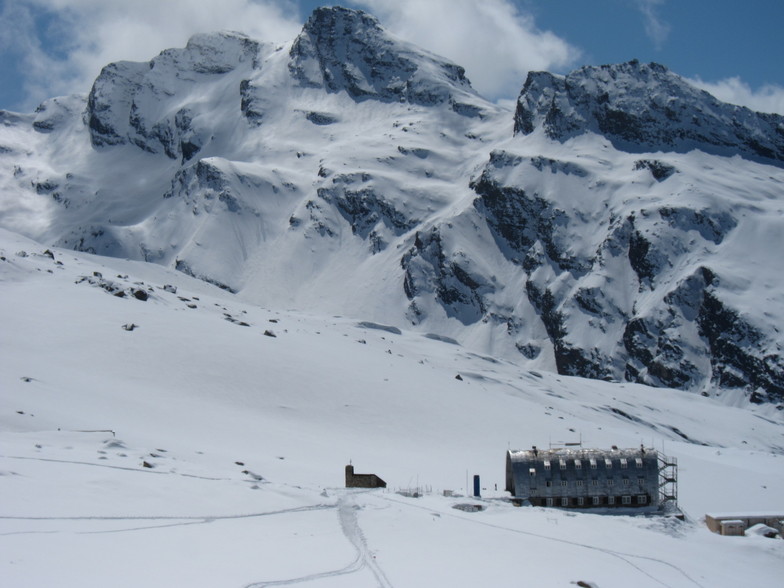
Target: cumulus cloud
<point>62,45</point>
<point>657,29</point>
<point>767,98</point>
<point>492,39</point>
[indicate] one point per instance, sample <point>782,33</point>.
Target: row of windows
<point>581,483</point>
<point>640,499</point>
<point>578,463</point>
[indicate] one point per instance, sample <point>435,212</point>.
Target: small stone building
<point>362,480</point>
<point>586,478</point>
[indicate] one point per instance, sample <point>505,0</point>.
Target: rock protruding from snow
<point>645,107</point>
<point>55,113</point>
<point>347,50</point>
<point>142,103</point>
<point>618,286</point>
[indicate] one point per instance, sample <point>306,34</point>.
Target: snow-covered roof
<point>579,454</point>
<point>724,516</point>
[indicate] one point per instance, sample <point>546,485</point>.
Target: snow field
<point>248,434</point>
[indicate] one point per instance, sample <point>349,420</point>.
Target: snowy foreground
<point>195,451</point>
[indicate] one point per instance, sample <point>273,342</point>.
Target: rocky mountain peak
<point>348,50</point>
<point>645,107</point>
<point>142,103</point>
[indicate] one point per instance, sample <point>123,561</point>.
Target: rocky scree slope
<point>619,225</point>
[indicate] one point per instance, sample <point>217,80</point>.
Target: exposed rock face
<point>366,209</point>
<point>137,102</point>
<point>342,49</point>
<point>664,327</point>
<point>645,107</point>
<point>450,278</point>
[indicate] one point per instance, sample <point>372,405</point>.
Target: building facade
<point>587,478</point>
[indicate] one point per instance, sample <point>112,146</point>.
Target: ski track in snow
<point>206,518</point>
<point>111,467</point>
<point>347,509</point>
<point>347,514</point>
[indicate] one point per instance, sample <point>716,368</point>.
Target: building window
<point>594,482</point>
<point>610,482</point>
<point>638,461</point>
<point>611,500</point>
<point>564,502</point>
<point>579,483</point>
<point>549,502</point>
<point>626,481</point>
<point>532,471</point>
<point>548,483</point>
<point>578,465</point>
<point>563,483</point>
<point>626,499</point>
<point>562,463</point>
<point>547,465</point>
<point>642,499</point>
<point>624,463</point>
<point>593,463</point>
<point>607,463</point>
<point>596,500</point>
<point>580,501</point>
<point>641,481</point>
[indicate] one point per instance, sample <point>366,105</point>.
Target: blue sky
<point>733,49</point>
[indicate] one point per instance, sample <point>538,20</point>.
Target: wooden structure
<point>362,480</point>
<point>735,524</point>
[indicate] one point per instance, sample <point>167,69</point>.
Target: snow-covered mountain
<point>619,224</point>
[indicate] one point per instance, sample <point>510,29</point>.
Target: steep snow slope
<point>618,225</point>
<point>194,449</point>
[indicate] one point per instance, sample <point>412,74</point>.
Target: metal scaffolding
<point>668,482</point>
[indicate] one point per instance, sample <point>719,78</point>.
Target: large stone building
<point>585,478</point>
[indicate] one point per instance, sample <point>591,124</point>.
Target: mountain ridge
<point>645,107</point>
<point>347,171</point>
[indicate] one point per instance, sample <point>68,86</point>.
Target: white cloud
<point>767,98</point>
<point>84,35</point>
<point>656,28</point>
<point>496,43</point>
<point>492,39</point>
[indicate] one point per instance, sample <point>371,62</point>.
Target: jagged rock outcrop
<point>664,326</point>
<point>137,103</point>
<point>365,208</point>
<point>645,107</point>
<point>448,276</point>
<point>341,49</point>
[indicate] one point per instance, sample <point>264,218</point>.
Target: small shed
<point>736,523</point>
<point>732,527</point>
<point>362,480</point>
